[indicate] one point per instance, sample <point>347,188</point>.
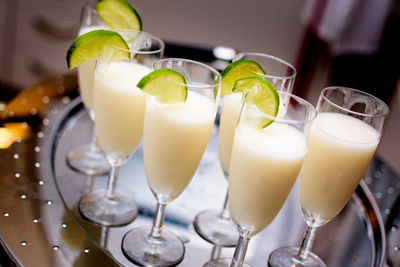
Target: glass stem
<point>104,236</point>
<point>112,181</point>
<point>158,221</point>
<point>216,252</point>
<point>240,251</point>
<point>306,243</point>
<point>93,140</point>
<point>225,214</point>
<point>88,183</point>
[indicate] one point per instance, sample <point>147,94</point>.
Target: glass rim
<point>135,51</point>
<point>278,59</point>
<point>195,86</point>
<point>300,101</point>
<point>383,104</point>
<point>88,9</point>
<point>89,5</point>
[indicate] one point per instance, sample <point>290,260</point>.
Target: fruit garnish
<point>262,94</point>
<point>167,85</point>
<point>239,69</point>
<point>119,14</point>
<point>88,46</point>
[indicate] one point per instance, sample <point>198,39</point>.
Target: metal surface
<point>40,225</point>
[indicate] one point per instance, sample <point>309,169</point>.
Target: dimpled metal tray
<point>41,226</point>
<point>354,238</point>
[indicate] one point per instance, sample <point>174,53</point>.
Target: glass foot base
<point>215,229</point>
<point>117,211</point>
<point>221,263</point>
<point>140,249</point>
<point>88,159</point>
<point>286,257</point>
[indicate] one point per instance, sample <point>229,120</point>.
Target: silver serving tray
<point>356,237</point>
<point>41,226</point>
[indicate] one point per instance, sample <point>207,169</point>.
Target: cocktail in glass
<point>343,140</point>
<point>264,165</point>
<point>119,108</point>
<point>88,158</point>
<point>174,140</point>
<point>216,226</point>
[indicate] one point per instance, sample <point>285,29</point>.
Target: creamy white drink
<point>230,111</point>
<point>340,150</point>
<point>174,139</point>
<point>264,166</point>
<point>86,73</point>
<point>119,107</point>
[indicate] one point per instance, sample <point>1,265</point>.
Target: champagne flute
<point>343,140</point>
<point>174,139</point>
<point>119,113</point>
<point>88,158</point>
<point>264,166</point>
<point>216,226</point>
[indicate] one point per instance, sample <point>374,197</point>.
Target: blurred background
<point>351,43</point>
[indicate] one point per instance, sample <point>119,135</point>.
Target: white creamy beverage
<point>175,137</point>
<point>340,149</point>
<point>86,73</point>
<point>231,105</point>
<point>119,107</point>
<point>264,166</point>
<point>85,79</point>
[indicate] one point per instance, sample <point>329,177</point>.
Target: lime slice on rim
<point>119,14</point>
<point>87,46</point>
<point>262,94</point>
<point>239,69</point>
<point>167,85</point>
